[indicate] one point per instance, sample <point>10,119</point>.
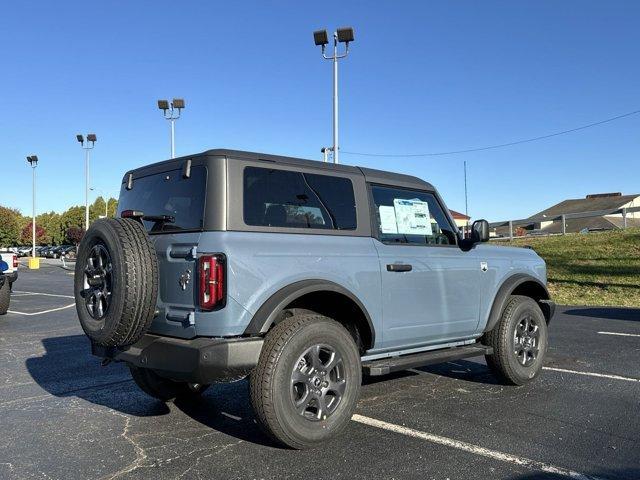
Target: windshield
<point>168,194</point>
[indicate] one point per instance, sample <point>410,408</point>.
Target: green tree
<point>97,209</point>
<point>73,217</point>
<point>113,206</point>
<point>51,223</point>
<point>10,223</point>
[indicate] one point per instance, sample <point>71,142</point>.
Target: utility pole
<point>87,146</point>
<point>171,112</point>
<point>33,161</point>
<point>321,38</point>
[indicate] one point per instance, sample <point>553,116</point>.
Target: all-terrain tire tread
<point>499,337</point>
<point>140,289</point>
<point>261,379</point>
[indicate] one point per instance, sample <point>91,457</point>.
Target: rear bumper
<point>200,360</point>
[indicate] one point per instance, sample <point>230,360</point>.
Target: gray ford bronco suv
<point>302,275</point>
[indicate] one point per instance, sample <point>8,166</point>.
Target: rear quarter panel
<point>260,264</point>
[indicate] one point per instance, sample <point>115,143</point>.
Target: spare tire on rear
<point>116,282</point>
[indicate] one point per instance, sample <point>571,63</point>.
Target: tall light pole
<point>321,38</point>
<point>87,146</point>
<point>466,203</point>
<point>33,161</point>
<point>171,112</point>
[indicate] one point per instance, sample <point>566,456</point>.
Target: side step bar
<point>384,366</point>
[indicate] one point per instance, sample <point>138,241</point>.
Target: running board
<point>395,364</point>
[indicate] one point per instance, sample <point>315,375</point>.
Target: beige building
<point>462,221</point>
<point>547,221</point>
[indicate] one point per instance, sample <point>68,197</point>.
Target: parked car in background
<point>53,252</point>
<point>11,272</point>
<point>68,251</point>
<point>5,288</point>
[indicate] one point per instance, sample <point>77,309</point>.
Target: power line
<point>491,147</point>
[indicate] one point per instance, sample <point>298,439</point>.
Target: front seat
<point>275,216</point>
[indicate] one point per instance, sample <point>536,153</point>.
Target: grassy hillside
<point>592,269</point>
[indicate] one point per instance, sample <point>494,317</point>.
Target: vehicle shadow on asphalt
<point>606,313</point>
<point>67,369</point>
<point>459,370</point>
<point>608,473</point>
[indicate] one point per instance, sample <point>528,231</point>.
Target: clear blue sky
<point>421,77</point>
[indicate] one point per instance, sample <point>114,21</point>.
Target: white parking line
<point>620,334</point>
<point>593,374</point>
<point>44,311</point>
<point>45,294</point>
<point>469,447</point>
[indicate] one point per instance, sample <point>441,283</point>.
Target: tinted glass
<point>282,198</point>
<point>168,194</point>
<point>411,216</point>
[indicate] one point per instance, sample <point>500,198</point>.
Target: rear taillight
<point>15,261</point>
<point>212,288</point>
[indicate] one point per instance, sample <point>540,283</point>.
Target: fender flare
<point>268,313</point>
<point>507,288</point>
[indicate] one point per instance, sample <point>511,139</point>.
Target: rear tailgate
<point>177,295</point>
<point>178,204</point>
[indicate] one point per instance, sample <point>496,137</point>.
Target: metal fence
<point>563,218</point>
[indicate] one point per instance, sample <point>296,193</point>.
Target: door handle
<point>399,267</point>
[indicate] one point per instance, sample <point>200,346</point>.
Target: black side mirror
<point>480,231</point>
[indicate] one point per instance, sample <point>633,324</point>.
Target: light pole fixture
<point>321,39</point>
<point>171,112</point>
<point>325,153</point>
<point>87,146</point>
<point>33,162</point>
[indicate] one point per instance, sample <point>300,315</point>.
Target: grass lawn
<point>600,268</point>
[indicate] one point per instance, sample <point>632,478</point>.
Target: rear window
<point>168,193</point>
<point>282,198</point>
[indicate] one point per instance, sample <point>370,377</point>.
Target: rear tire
<point>5,297</point>
<point>116,282</point>
<point>519,341</point>
<point>306,385</point>
<point>162,388</point>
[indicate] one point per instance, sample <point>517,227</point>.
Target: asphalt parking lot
<point>64,416</point>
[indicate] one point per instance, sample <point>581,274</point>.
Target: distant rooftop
<point>592,202</point>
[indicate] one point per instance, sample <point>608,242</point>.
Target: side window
<point>282,198</point>
<point>410,217</point>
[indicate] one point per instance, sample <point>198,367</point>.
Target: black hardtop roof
<point>371,175</point>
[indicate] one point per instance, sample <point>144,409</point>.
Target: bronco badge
<point>184,280</point>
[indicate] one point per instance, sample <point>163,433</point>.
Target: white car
<point>12,261</point>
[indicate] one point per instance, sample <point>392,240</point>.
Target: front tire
<point>306,385</point>
<point>162,388</point>
<point>519,341</point>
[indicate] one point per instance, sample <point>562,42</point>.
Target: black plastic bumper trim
<point>200,360</point>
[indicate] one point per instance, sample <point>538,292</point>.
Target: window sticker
<point>388,219</point>
<point>412,217</point>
